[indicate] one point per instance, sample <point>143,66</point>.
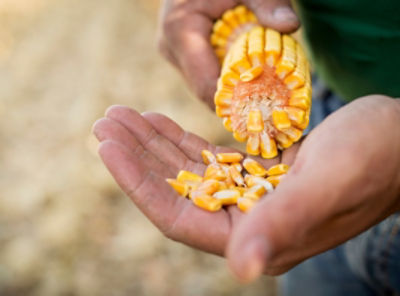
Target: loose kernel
<point>278,169</point>
<point>229,157</point>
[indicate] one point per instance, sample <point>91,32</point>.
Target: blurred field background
<point>65,227</point>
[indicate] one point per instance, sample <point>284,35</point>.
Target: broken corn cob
<point>228,182</point>
<point>264,90</point>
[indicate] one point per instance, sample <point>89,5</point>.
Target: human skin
<point>184,35</point>
<point>345,178</point>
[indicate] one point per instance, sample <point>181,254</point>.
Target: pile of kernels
<point>228,180</point>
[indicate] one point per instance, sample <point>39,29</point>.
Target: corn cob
<point>228,182</point>
<point>264,90</point>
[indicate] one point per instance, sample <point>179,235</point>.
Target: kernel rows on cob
<point>264,90</point>
<point>228,180</point>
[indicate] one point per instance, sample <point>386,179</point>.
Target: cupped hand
<point>345,178</point>
<point>185,29</point>
<point>141,151</point>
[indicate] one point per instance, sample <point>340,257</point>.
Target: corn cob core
<point>228,180</point>
<point>264,91</point>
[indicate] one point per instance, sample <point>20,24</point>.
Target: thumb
<point>275,14</point>
<point>271,237</point>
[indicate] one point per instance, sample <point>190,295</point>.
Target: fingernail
<point>285,14</point>
<point>254,257</point>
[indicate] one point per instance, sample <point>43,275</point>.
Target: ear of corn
<point>264,91</point>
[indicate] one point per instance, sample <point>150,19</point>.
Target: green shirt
<point>354,44</point>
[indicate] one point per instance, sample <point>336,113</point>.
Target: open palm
<point>141,151</point>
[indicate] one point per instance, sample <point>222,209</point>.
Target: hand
<point>344,179</point>
<point>141,151</point>
<point>185,29</point>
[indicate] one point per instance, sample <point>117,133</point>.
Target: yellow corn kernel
<point>220,53</point>
<point>238,166</point>
<point>230,18</point>
<point>280,119</point>
<point>273,46</point>
<point>268,146</point>
<point>230,78</point>
<point>208,157</point>
<point>287,62</point>
<point>208,187</point>
<point>275,180</point>
<point>283,140</point>
<point>293,133</point>
<point>254,167</point>
<point>295,115</point>
<point>236,176</point>
<point>301,98</point>
<point>254,180</point>
<point>186,176</point>
<point>241,190</point>
<point>228,196</point>
<point>255,121</point>
<point>298,77</point>
<point>240,137</point>
<point>245,204</point>
<point>218,41</point>
<point>255,192</point>
<point>306,120</point>
<point>214,171</point>
<point>222,29</point>
<point>231,157</point>
<point>227,123</point>
<point>253,144</point>
<point>278,169</point>
<point>255,48</point>
<point>179,186</point>
<point>252,17</point>
<point>222,111</point>
<point>241,14</point>
<point>251,74</point>
<point>207,202</point>
<point>223,98</point>
<point>240,62</point>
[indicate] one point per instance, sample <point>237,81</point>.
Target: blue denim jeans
<point>368,264</point>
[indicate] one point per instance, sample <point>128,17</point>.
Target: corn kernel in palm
<point>207,202</point>
<point>214,171</point>
<point>180,187</point>
<point>254,167</point>
<point>186,176</point>
<point>208,157</point>
<point>245,204</point>
<point>275,180</point>
<point>228,196</point>
<point>278,169</point>
<point>255,192</point>
<point>236,176</point>
<point>229,157</point>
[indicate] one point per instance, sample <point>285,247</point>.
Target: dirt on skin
<point>65,227</point>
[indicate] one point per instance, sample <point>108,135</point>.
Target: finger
<point>275,14</point>
<point>189,143</point>
<point>163,149</point>
<point>108,129</point>
<point>188,40</point>
<point>175,216</point>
